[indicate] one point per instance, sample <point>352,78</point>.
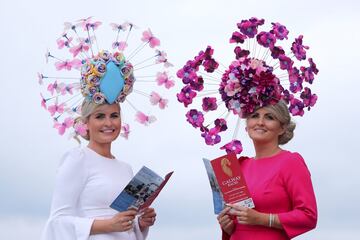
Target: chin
<point>108,139</point>
<point>259,139</point>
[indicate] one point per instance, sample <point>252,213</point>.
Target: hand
<point>147,218</point>
<point>122,221</point>
<point>246,215</point>
<point>225,221</point>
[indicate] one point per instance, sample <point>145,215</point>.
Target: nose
<point>107,121</point>
<point>260,121</point>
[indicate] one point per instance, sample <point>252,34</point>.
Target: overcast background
<point>327,137</point>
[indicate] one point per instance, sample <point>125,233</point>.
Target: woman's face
<point>263,127</point>
<point>104,124</point>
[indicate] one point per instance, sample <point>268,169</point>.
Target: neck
<point>266,150</point>
<point>102,149</point>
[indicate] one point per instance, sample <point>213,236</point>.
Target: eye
<point>115,115</point>
<point>269,117</point>
<point>99,116</point>
<point>254,115</point>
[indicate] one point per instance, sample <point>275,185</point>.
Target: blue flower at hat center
<point>112,83</point>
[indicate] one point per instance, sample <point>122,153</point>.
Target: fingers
<point>238,210</point>
<point>148,213</point>
<point>245,215</point>
<point>224,219</point>
<point>242,218</point>
<point>241,213</point>
<point>130,212</point>
<point>223,212</point>
<point>127,219</point>
<point>126,222</point>
<point>227,224</point>
<point>236,207</point>
<point>147,217</point>
<point>122,221</point>
<point>148,221</point>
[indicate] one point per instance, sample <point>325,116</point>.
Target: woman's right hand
<point>225,221</point>
<point>122,221</point>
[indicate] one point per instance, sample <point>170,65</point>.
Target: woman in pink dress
<point>278,180</point>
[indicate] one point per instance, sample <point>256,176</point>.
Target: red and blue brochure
<point>227,182</point>
<point>141,191</point>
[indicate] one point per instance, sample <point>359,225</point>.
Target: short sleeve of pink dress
<point>280,184</point>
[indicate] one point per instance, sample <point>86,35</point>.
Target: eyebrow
<point>97,112</point>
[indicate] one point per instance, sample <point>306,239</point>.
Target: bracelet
<point>271,219</point>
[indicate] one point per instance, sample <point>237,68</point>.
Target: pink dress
<point>280,184</point>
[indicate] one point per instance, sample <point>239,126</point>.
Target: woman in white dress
<point>88,180</point>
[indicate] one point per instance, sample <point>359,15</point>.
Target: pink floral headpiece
<point>261,74</point>
<point>103,76</point>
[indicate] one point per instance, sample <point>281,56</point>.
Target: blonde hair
<point>281,113</point>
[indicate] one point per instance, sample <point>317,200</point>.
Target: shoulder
<point>74,156</point>
<point>293,159</point>
<point>293,162</point>
<point>72,167</point>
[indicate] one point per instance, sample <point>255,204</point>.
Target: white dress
<point>86,184</point>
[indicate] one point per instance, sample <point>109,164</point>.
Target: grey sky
<point>327,137</point>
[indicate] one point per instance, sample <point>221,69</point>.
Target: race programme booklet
<point>227,182</point>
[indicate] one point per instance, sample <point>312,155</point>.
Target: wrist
<point>271,220</point>
<point>101,226</point>
<point>263,219</point>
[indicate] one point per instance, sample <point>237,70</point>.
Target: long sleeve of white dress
<point>64,222</point>
<point>85,186</point>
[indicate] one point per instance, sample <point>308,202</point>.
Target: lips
<point>261,130</point>
<point>110,130</point>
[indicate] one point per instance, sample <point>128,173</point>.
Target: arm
<point>303,217</point>
<point>64,222</point>
<point>297,180</point>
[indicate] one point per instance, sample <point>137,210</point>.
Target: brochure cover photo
<point>141,191</point>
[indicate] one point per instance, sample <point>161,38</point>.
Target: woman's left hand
<point>246,215</point>
<point>147,218</point>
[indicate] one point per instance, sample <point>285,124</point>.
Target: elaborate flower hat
<point>262,73</point>
<point>102,76</point>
